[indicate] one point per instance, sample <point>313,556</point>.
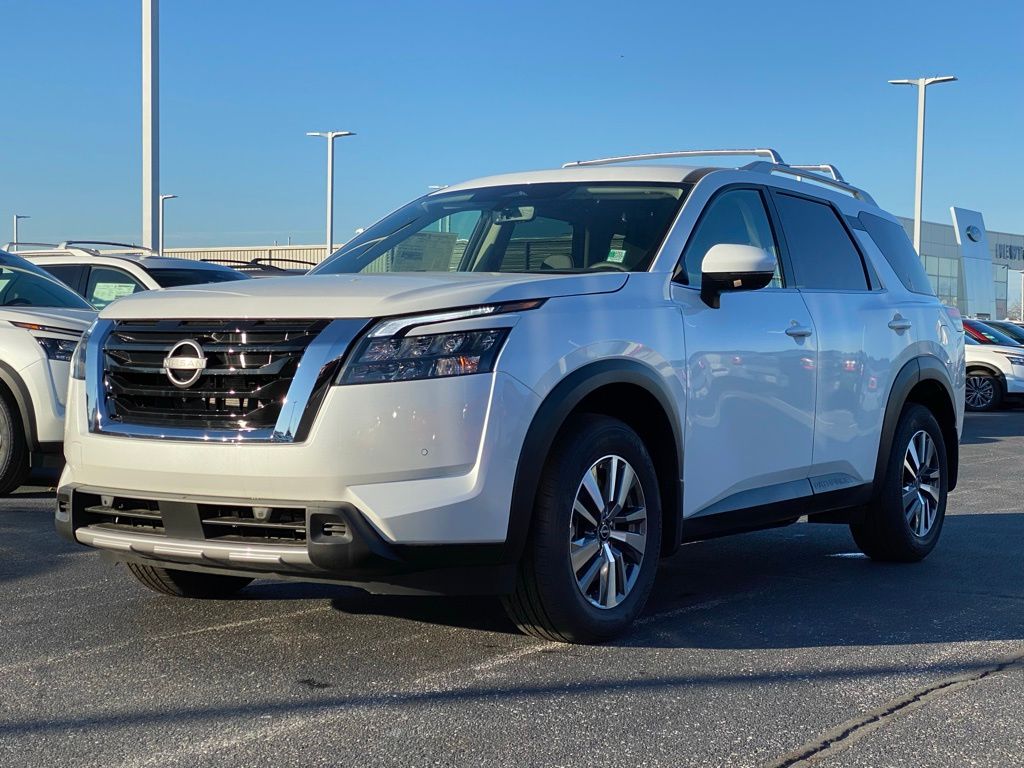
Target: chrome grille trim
<point>305,390</point>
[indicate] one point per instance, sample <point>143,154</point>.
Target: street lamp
<point>17,217</point>
<point>160,239</point>
<point>922,83</point>
<point>330,136</point>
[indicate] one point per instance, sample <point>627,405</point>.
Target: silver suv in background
<point>533,385</point>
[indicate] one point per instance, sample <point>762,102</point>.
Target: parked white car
<point>533,385</point>
<point>994,372</point>
<point>121,269</point>
<point>41,321</point>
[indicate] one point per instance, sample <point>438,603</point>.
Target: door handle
<point>798,331</point>
<point>899,323</point>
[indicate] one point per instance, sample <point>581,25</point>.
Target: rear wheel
<point>904,523</point>
<point>983,391</point>
<point>13,449</point>
<point>168,581</point>
<point>590,562</point>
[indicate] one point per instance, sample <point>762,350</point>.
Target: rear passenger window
<point>737,217</point>
<point>894,244</point>
<point>822,252</point>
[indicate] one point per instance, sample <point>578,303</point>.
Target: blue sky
<point>447,90</point>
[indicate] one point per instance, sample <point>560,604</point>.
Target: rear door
<point>750,371</point>
<point>72,275</point>
<point>860,336</point>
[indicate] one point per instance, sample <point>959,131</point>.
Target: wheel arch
<point>14,391</point>
<point>923,380</point>
<point>623,389</point>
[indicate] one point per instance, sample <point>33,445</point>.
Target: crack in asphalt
<point>852,731</point>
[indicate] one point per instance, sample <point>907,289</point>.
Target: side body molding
<point>550,417</point>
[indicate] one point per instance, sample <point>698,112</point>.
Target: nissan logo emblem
<point>185,363</point>
<point>973,234</point>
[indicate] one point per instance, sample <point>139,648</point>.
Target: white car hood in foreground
<point>73,319</point>
<point>373,295</point>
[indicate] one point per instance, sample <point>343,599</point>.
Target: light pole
<point>150,123</point>
<point>17,217</point>
<point>330,136</point>
<point>160,239</point>
<point>922,83</point>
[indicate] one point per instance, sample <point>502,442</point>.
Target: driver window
<point>737,217</point>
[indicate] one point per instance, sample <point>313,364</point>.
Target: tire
<point>549,601</point>
<point>13,449</point>
<point>205,586</point>
<point>984,391</point>
<point>897,528</point>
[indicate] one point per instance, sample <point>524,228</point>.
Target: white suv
<point>41,321</point>
<point>121,269</point>
<point>533,385</point>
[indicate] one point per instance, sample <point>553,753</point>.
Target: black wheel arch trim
<point>996,373</point>
<point>914,372</point>
<point>15,385</point>
<point>547,422</point>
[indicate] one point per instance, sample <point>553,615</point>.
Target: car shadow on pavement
<point>990,428</point>
<point>801,586</point>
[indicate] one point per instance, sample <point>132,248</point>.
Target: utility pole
<point>150,123</point>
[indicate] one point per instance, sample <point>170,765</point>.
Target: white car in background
<point>121,269</point>
<point>994,372</point>
<point>41,321</point>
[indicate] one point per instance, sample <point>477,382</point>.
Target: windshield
<point>27,288</point>
<point>986,334</point>
<point>550,228</point>
<point>178,276</point>
<point>1015,332</point>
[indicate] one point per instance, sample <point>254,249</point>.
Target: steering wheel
<point>608,266</point>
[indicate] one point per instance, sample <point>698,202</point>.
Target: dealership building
<point>957,266</point>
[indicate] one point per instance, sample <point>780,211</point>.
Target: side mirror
<point>732,267</point>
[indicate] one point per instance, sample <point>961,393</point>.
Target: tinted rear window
<point>894,244</point>
<point>172,278</point>
<point>823,254</point>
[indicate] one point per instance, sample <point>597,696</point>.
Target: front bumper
<point>333,543</point>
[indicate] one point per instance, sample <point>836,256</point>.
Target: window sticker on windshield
<point>617,255</point>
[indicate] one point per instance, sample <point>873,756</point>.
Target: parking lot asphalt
<point>783,647</point>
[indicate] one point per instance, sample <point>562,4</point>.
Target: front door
<point>750,367</point>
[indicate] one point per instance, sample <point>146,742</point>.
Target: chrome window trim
<point>331,344</point>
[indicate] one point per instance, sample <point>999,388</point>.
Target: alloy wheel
<point>608,532</point>
<point>921,483</point>
<point>980,391</point>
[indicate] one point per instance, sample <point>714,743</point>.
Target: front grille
<point>249,368</point>
<point>237,523</point>
<point>115,512</point>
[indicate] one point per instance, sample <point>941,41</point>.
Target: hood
<point>72,319</point>
<point>348,295</point>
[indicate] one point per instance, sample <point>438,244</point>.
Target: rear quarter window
<point>894,244</point>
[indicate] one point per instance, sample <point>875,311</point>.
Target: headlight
<point>1015,360</point>
<point>427,356</point>
<point>57,349</point>
<point>78,359</point>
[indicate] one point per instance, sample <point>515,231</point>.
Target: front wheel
<point>13,449</point>
<point>593,550</point>
<point>983,391</point>
<point>168,581</point>
<point>904,522</point>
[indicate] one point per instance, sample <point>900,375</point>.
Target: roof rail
<point>12,246</point>
<point>771,154</point>
<point>828,168</point>
<point>132,246</point>
<point>801,172</point>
